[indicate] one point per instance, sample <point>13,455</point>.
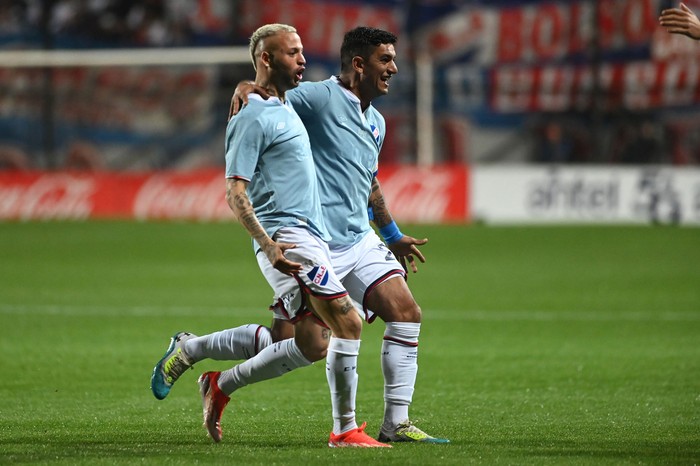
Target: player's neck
<point>270,88</point>
<point>352,84</point>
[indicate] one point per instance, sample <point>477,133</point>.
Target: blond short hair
<point>263,32</point>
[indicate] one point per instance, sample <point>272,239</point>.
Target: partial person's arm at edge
<point>681,21</point>
<point>242,208</point>
<point>403,246</point>
<point>240,96</point>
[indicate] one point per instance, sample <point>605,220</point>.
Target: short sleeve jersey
<point>345,143</point>
<point>268,146</point>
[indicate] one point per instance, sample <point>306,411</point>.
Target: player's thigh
<point>316,278</point>
<point>288,301</point>
<point>375,268</point>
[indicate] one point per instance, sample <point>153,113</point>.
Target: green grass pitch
<point>540,345</point>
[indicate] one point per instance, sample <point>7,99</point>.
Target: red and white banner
<point>426,195</point>
<point>445,194</point>
<point>321,25</point>
<point>144,196</point>
<point>416,195</point>
<point>637,85</point>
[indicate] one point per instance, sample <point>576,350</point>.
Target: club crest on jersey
<point>318,275</point>
<point>375,132</point>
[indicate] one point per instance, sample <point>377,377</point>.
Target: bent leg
<point>273,361</point>
<point>232,344</point>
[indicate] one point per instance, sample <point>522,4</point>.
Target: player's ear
<point>265,58</point>
<point>358,64</point>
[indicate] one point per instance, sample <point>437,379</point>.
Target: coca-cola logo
<point>170,197</point>
<point>64,197</point>
<point>422,195</point>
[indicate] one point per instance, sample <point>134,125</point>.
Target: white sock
<point>399,366</point>
<point>341,372</point>
<point>273,361</point>
<point>233,344</point>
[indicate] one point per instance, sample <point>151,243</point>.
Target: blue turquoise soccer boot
<point>171,366</point>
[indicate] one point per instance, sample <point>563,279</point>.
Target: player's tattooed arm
<point>242,208</point>
<point>240,204</point>
<point>382,217</point>
<point>406,248</point>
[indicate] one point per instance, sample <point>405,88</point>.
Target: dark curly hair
<point>362,41</point>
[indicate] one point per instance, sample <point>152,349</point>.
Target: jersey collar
<point>270,100</point>
<point>352,97</point>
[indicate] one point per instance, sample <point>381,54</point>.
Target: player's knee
<point>348,326</point>
<point>414,313</point>
<point>353,324</point>
<point>406,311</point>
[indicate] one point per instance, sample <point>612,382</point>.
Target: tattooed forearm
<point>241,203</point>
<point>382,217</point>
<point>242,208</point>
<point>250,222</point>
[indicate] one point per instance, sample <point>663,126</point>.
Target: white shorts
<point>317,277</point>
<point>362,267</point>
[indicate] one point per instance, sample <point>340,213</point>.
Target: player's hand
<point>275,254</point>
<point>406,249</point>
<point>681,21</point>
<point>240,96</point>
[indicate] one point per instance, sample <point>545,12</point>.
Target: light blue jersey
<point>267,145</point>
<point>345,143</point>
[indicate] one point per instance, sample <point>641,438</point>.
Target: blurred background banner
<point>442,194</point>
<point>421,195</point>
<point>578,195</point>
<point>485,89</point>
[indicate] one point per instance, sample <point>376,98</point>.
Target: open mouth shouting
<point>299,74</point>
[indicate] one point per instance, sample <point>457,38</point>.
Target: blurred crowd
<point>625,139</point>
<point>132,109</point>
<point>121,23</point>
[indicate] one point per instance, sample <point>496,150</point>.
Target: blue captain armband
<point>370,213</point>
<point>391,233</point>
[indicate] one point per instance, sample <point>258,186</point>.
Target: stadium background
<point>524,111</point>
<point>541,343</point>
